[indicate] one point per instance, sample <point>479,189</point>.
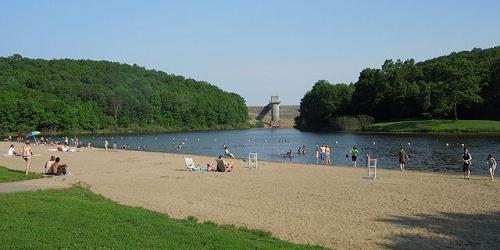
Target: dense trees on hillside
<point>76,95</point>
<point>461,85</point>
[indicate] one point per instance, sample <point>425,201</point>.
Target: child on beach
<point>492,165</point>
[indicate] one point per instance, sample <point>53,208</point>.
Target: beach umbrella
<point>33,133</point>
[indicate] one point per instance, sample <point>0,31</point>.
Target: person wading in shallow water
<point>467,158</point>
<point>403,157</point>
<point>26,153</point>
<point>491,162</point>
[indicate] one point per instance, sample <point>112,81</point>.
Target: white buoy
<point>373,143</point>
<point>409,144</point>
<point>215,139</point>
<point>447,145</point>
<point>463,145</point>
<point>336,142</point>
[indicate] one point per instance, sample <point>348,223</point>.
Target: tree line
<point>463,85</point>
<point>86,95</point>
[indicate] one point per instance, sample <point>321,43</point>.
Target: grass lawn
<point>79,219</point>
<point>438,126</point>
<point>7,175</point>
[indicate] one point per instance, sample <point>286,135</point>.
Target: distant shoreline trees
<point>463,85</point>
<point>84,95</point>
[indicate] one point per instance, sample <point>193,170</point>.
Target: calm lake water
<point>427,152</point>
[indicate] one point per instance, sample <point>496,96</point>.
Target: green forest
<point>84,95</point>
<point>461,85</point>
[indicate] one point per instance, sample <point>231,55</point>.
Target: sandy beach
<point>331,206</point>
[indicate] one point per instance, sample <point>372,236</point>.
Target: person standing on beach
<point>492,165</point>
<point>327,154</point>
<point>354,156</point>
<point>106,144</point>
<point>403,156</point>
<point>26,153</point>
<point>317,156</point>
<point>467,158</point>
<point>322,155</point>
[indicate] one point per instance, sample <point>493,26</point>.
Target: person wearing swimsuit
<point>467,158</point>
<point>26,153</point>
<point>492,165</point>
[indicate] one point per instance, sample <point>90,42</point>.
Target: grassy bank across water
<point>7,175</point>
<point>76,218</point>
<point>438,126</point>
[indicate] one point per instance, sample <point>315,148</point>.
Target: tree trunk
<point>456,113</point>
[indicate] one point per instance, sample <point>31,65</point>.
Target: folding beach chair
<point>189,163</point>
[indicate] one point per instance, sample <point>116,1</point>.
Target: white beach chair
<point>189,163</point>
<point>371,165</point>
<point>252,160</point>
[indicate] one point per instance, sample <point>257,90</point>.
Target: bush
<point>352,123</point>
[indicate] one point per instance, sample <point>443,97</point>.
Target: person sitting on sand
<point>59,169</point>
<point>210,167</point>
<point>226,166</point>
<point>12,151</point>
<point>48,165</point>
<point>492,165</point>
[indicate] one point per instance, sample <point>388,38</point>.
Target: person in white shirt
<point>12,151</point>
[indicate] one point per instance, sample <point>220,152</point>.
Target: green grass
<point>7,175</point>
<point>79,219</point>
<point>438,126</point>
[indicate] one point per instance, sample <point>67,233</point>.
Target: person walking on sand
<point>354,156</point>
<point>26,153</point>
<point>403,156</point>
<point>106,144</point>
<point>492,165</point>
<point>467,158</point>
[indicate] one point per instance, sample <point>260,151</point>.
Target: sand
<point>331,206</point>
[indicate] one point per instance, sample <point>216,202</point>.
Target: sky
<point>256,48</point>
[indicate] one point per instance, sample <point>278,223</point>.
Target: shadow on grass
<point>447,230</point>
<point>9,175</point>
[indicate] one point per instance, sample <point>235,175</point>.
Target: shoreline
<point>331,206</point>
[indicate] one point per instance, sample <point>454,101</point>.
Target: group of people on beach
<point>491,163</point>
<point>323,155</point>
<point>52,166</point>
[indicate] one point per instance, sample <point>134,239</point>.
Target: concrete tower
<point>275,111</point>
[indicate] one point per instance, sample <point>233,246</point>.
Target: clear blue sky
<point>254,48</point>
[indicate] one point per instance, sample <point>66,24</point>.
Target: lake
<point>427,152</point>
